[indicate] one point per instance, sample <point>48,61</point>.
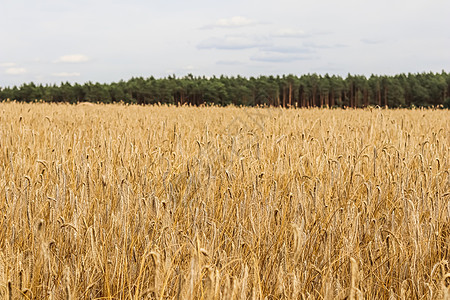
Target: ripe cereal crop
<point>166,202</point>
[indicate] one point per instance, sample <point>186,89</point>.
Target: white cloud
<point>7,64</point>
<point>324,46</point>
<point>279,58</point>
<point>66,74</point>
<point>288,49</point>
<point>15,71</point>
<point>290,33</point>
<point>371,41</point>
<point>233,43</point>
<point>233,22</point>
<point>72,58</point>
<point>229,62</point>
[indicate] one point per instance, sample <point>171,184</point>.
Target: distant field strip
<point>158,202</point>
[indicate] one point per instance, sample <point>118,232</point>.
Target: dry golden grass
<point>129,202</point>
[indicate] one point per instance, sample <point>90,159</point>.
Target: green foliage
<point>447,103</point>
<point>419,90</point>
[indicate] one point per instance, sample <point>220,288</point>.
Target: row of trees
<point>424,89</point>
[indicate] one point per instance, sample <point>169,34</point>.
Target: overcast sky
<point>49,41</point>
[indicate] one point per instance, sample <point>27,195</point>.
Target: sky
<point>54,41</point>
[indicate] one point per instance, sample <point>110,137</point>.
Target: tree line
<point>403,90</point>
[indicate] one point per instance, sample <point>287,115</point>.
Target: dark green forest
<point>419,90</point>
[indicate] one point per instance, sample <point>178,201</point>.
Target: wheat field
<point>159,202</point>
